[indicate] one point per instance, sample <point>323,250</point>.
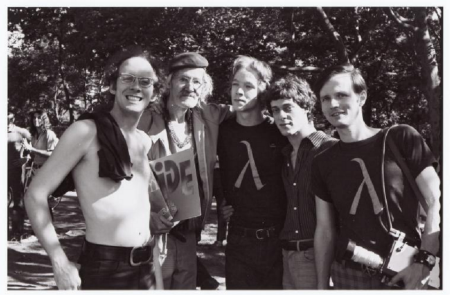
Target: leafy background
<point>56,55</point>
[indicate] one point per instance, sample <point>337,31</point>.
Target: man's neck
<point>296,139</point>
<point>356,132</point>
<point>176,114</point>
<point>127,121</point>
<point>251,118</point>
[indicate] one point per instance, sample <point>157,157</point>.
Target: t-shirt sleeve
<point>413,148</point>
<point>318,186</point>
<point>52,140</point>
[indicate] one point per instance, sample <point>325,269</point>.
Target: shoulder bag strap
<point>407,173</point>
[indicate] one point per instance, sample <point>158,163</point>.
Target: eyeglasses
<point>186,81</point>
<point>144,82</point>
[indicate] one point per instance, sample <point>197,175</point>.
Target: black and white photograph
<point>235,146</point>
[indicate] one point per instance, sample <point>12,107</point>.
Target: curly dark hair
<point>295,88</point>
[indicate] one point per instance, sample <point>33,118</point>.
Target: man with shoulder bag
<point>376,242</point>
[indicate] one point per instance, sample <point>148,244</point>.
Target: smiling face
<point>131,96</point>
<point>186,87</point>
<point>289,116</point>
<point>341,106</point>
<point>244,90</point>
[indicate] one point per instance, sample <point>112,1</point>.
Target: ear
<point>112,88</point>
<point>362,98</point>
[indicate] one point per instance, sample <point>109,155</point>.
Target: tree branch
<point>403,22</point>
<point>339,43</point>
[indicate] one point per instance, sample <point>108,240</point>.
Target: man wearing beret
<point>187,122</point>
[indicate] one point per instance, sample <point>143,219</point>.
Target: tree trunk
<point>430,73</point>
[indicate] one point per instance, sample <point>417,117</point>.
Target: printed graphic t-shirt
<point>250,164</point>
<point>348,175</point>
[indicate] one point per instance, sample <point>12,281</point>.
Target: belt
<point>134,255</point>
<point>260,234</point>
<point>297,245</point>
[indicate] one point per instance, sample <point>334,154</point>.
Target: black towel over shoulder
<point>114,159</point>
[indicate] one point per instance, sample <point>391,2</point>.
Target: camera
<point>400,256</point>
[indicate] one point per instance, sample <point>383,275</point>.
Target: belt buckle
<point>261,230</point>
<point>132,263</point>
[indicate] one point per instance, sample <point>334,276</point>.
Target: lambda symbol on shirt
<point>251,163</point>
<point>377,208</point>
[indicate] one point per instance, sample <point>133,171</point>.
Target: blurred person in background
<point>16,137</point>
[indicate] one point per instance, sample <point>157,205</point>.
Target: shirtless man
<point>116,208</point>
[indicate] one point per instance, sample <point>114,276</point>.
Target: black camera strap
<point>406,172</point>
<point>383,155</point>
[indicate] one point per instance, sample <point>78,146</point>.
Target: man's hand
<point>227,211</point>
<point>66,275</point>
<point>415,276</point>
<point>159,224</point>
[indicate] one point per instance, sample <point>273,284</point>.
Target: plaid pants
<point>352,279</point>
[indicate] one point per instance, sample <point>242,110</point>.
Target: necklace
<point>174,136</point>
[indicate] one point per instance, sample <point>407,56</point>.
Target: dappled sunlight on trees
<point>56,55</point>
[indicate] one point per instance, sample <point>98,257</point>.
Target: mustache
<point>187,91</point>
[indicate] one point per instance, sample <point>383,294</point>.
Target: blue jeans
<point>299,270</point>
<point>252,264</point>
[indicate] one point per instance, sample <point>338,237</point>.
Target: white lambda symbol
<point>251,162</point>
<point>377,208</point>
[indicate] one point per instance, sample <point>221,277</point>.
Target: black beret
<point>187,60</point>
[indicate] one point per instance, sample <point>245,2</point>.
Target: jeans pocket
<point>309,254</point>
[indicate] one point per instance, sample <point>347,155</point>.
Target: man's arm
<point>415,276</point>
<point>217,112</point>
<point>324,241</point>
<point>71,149</point>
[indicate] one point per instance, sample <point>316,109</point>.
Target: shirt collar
<point>315,138</point>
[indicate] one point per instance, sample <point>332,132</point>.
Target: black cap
<point>187,60</point>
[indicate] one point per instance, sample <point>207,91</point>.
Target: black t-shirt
<point>250,165</point>
<point>349,176</point>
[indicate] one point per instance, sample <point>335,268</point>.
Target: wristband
<point>426,258</point>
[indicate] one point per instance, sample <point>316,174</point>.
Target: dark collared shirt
<point>300,220</point>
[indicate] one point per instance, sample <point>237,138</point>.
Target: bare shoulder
<point>80,133</point>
